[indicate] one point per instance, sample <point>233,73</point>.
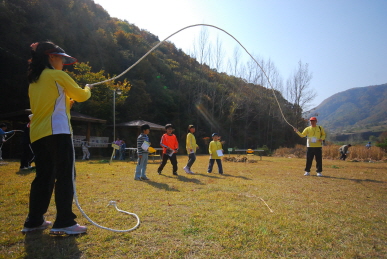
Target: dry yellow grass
<point>341,215</point>
<point>358,153</point>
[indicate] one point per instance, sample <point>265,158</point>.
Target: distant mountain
<point>357,107</point>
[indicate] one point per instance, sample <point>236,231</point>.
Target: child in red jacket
<point>170,147</point>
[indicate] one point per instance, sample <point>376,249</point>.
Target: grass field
<point>340,215</point>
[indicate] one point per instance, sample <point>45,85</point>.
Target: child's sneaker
<point>73,230</point>
<point>45,225</point>
<point>307,174</point>
<point>319,174</point>
<point>186,169</point>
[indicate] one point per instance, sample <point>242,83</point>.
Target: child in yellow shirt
<point>191,147</point>
<point>216,151</point>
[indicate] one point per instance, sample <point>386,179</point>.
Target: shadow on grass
<point>242,177</point>
<point>189,180</point>
<point>26,171</point>
<point>216,175</point>
<point>162,186</point>
<point>42,245</point>
<point>94,162</point>
<point>210,175</point>
<point>355,180</point>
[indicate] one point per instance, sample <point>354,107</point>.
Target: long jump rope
<point>113,203</point>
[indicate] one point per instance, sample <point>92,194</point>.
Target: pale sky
<point>343,41</point>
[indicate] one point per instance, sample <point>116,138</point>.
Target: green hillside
<point>355,110</point>
<point>168,86</point>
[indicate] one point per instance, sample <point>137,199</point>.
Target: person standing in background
<point>122,150</point>
<point>344,151</point>
<point>85,149</point>
<point>27,156</point>
<point>117,152</point>
<point>3,128</point>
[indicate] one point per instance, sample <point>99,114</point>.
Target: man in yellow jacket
<point>315,136</point>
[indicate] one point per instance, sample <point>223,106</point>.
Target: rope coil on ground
<point>113,203</point>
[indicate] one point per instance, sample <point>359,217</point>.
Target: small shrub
<point>298,151</point>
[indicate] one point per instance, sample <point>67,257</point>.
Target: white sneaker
<point>319,174</point>
<point>73,230</point>
<point>186,169</point>
<point>191,172</point>
<point>307,173</point>
<point>45,225</point>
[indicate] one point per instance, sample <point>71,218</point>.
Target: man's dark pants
<point>314,152</point>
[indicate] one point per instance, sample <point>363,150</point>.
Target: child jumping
<point>191,149</point>
<point>170,147</point>
<point>143,153</point>
<point>216,151</point>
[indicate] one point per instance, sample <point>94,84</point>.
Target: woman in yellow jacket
<point>50,92</point>
<point>191,147</point>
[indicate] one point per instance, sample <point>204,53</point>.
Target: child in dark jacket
<point>142,151</point>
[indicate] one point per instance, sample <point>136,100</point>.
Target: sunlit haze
<point>344,42</point>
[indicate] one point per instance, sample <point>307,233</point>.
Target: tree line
<point>168,86</point>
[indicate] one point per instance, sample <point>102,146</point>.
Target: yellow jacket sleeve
<point>71,88</point>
